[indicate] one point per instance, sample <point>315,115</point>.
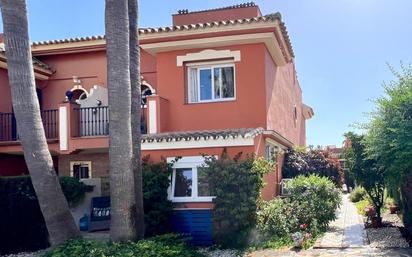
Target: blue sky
<point>341,46</point>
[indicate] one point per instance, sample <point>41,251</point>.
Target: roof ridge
<point>244,5</point>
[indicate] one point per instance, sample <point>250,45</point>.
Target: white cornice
<point>208,54</point>
<point>267,38</point>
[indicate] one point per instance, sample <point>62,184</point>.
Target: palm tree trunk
<point>122,191</point>
<point>53,204</point>
<point>136,114</point>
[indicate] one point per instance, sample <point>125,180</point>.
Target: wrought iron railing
<point>8,126</point>
<point>94,121</point>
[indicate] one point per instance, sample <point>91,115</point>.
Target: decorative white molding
<point>208,54</point>
<point>152,117</point>
<point>147,84</point>
<point>202,143</point>
<point>268,38</point>
<point>63,129</point>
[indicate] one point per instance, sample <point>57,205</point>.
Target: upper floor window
<point>211,83</point>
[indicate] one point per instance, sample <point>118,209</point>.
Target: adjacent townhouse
<point>214,79</point>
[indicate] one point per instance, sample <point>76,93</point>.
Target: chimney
<point>241,11</point>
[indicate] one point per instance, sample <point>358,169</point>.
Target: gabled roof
<point>274,17</point>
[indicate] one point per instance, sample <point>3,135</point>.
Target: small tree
<point>366,171</point>
<point>236,183</point>
<point>302,162</point>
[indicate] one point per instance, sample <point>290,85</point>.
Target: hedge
<point>21,221</point>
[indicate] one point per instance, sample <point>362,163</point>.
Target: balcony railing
<point>8,126</point>
<point>94,121</point>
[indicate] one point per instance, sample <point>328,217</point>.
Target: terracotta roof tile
<point>202,134</point>
<point>36,62</point>
<point>146,31</point>
<point>244,5</point>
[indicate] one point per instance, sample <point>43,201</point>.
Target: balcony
<point>72,128</point>
<point>8,126</point>
<point>94,121</point>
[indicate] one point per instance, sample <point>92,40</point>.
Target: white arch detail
<point>147,84</point>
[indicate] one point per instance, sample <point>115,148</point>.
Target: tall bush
<point>22,226</point>
<point>156,181</point>
<point>236,183</point>
<point>310,207</point>
<point>318,196</point>
<point>302,162</point>
<point>389,138</point>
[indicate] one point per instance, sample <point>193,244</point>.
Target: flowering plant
<point>303,226</point>
<point>298,239</point>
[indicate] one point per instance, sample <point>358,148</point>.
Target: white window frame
<point>211,66</point>
<point>88,163</point>
<point>188,162</point>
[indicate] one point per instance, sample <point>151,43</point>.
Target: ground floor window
<point>188,182</point>
<point>81,169</point>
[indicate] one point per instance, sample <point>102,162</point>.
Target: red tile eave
<point>206,35</point>
<point>69,50</point>
<point>36,68</point>
<point>167,38</point>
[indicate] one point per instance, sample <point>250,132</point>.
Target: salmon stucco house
<point>214,79</point>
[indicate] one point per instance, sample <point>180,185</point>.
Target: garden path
<point>346,231</point>
<point>346,237</point>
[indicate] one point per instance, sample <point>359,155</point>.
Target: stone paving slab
<point>346,231</point>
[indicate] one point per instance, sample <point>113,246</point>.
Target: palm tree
<point>122,191</point>
<point>136,114</point>
<point>53,204</point>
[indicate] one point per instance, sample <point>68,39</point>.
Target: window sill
<point>213,101</point>
<point>192,199</point>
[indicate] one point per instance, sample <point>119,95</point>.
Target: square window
<point>211,83</point>
<point>80,170</point>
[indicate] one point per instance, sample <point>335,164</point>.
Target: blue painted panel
<point>197,224</point>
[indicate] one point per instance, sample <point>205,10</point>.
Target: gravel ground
<point>388,236</point>
<point>220,253</point>
<point>32,254</point>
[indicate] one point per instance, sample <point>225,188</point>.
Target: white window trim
<point>88,163</point>
<point>189,162</point>
<point>208,54</point>
<point>211,66</point>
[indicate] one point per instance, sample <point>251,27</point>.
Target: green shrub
<point>74,190</point>
<point>167,245</point>
<point>361,205</point>
<point>156,181</point>
<point>21,221</point>
<point>317,196</point>
<point>236,184</point>
<point>358,195</point>
<point>274,218</point>
<point>307,212</point>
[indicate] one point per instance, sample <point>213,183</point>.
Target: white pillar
<point>63,129</point>
<point>152,116</point>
